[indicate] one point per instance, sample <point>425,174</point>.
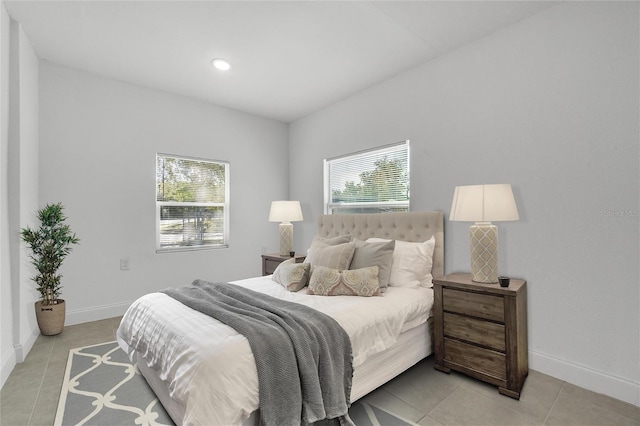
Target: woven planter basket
<point>51,317</point>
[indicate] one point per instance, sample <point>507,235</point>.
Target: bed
<point>203,372</point>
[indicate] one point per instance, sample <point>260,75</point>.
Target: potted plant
<point>49,245</point>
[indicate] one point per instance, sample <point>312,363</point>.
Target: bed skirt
<point>412,346</point>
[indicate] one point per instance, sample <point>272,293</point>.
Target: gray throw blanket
<point>303,356</point>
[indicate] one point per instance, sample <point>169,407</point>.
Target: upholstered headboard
<point>405,226</point>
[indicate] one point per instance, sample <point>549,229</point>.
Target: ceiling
<point>289,58</point>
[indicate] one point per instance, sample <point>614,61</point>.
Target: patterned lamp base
<point>484,252</point>
<point>286,238</point>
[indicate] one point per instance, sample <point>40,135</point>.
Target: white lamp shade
<point>285,211</point>
<point>483,203</point>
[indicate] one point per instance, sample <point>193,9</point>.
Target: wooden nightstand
<point>271,261</point>
<point>481,330</point>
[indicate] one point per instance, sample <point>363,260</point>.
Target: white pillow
<point>412,263</point>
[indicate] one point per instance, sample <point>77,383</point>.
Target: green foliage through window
<point>192,202</point>
<point>386,182</point>
<point>187,180</point>
<point>371,181</point>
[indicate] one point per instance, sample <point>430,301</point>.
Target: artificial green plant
<point>49,245</point>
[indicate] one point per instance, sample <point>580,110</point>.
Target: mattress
<point>208,370</point>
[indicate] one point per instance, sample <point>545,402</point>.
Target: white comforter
<point>210,369</point>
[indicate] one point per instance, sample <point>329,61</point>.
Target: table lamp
<point>285,212</point>
<point>484,204</point>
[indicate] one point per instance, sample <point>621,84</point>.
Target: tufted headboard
<point>405,226</point>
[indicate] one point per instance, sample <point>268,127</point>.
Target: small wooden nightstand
<point>271,261</point>
<point>481,330</point>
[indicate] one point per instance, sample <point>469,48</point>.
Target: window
<point>370,181</point>
<point>192,203</point>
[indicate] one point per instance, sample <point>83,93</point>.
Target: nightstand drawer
<point>473,330</point>
<point>484,361</point>
<point>474,304</point>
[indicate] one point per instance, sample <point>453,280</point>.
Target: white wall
<point>19,193</point>
<point>7,354</point>
<point>99,139</point>
<point>549,105</point>
<point>23,154</point>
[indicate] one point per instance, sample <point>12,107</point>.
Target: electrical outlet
<point>124,264</point>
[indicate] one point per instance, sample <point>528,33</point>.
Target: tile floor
<point>422,394</point>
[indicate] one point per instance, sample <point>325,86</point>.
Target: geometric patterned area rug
<point>101,387</point>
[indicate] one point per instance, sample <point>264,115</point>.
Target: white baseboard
<point>8,362</point>
<point>15,355</point>
<point>96,313</point>
<point>23,349</point>
<point>593,380</point>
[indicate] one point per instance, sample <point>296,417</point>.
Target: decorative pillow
<point>332,241</point>
<point>412,263</point>
<point>354,282</point>
<point>375,254</point>
<point>291,275</point>
<point>334,257</point>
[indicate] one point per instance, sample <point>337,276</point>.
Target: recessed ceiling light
<point>221,64</point>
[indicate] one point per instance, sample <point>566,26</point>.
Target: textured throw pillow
<point>355,282</point>
<point>332,241</point>
<point>291,275</point>
<point>334,257</point>
<point>375,254</point>
<point>412,263</point>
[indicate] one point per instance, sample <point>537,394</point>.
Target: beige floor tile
<point>41,349</point>
<point>423,387</point>
<point>14,417</point>
<point>25,378</point>
<point>80,340</point>
<point>43,343</point>
<point>59,355</point>
<point>37,357</point>
<point>466,407</point>
<point>53,380</point>
<point>45,419</point>
<point>115,323</point>
<point>569,411</point>
<point>536,398</point>
<point>383,399</point>
<point>44,412</point>
<point>429,421</point>
<point>16,406</point>
<point>622,408</point>
<point>52,383</point>
<point>76,334</point>
<point>85,328</point>
<point>58,363</point>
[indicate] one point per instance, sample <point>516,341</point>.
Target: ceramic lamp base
<point>286,238</point>
<point>484,252</point>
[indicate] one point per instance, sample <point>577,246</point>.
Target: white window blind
<point>370,181</point>
<point>192,203</point>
